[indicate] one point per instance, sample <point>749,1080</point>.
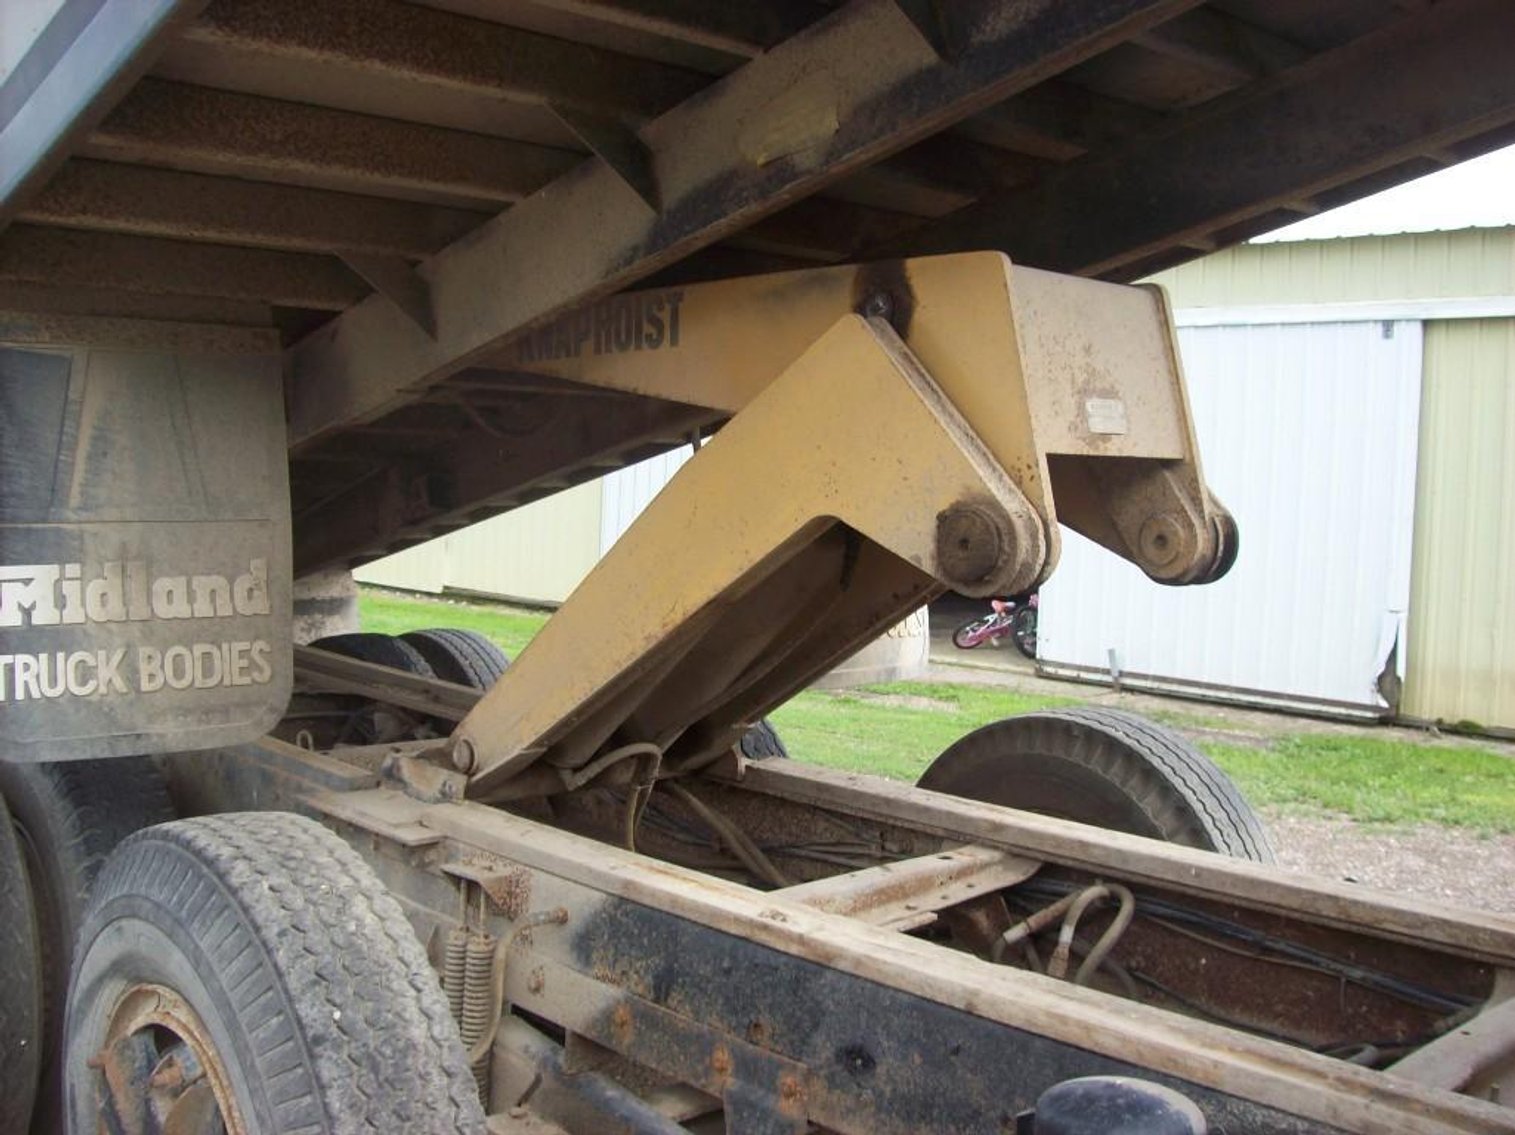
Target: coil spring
<point>478,995</point>
<point>453,970</point>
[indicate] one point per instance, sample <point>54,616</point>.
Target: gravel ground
<point>1445,864</point>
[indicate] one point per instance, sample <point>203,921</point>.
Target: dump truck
<point>288,285</point>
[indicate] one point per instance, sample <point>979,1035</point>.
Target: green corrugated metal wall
<point>1473,262</point>
<point>1461,663</point>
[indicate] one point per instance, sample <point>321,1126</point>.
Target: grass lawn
<point>1377,779</point>
<point>898,729</point>
<point>389,613</point>
<point>895,729</point>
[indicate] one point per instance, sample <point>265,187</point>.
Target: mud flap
<point>144,552</point>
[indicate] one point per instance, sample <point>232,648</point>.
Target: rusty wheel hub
<point>158,1072</point>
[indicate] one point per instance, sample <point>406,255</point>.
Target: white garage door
<point>1308,434</point>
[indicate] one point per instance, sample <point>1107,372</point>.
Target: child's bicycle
<point>1017,620</point>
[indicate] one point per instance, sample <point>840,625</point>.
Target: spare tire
<point>1107,768</point>
<point>467,658</point>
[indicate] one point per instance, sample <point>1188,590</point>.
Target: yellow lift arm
<point>896,429</point>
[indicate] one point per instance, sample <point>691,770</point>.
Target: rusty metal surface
<point>1329,120</point>
<point>782,126</point>
<point>56,256</point>
<point>159,1066</point>
<point>662,976</point>
<point>908,893</point>
<point>213,131</point>
<point>639,970</point>
<point>1106,137</point>
<point>118,197</point>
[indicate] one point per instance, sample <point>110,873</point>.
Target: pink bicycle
<point>1007,618</point>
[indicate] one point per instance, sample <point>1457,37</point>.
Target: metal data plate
<point>144,552</point>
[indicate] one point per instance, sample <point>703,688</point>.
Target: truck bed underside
<point>393,192</point>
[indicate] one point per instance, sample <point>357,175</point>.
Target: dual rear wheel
<point>63,820</point>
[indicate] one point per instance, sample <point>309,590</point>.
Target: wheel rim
<point>159,1072</point>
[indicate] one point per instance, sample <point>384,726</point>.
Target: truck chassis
<point>372,258</point>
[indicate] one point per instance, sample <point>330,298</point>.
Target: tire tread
<point>75,813</point>
<point>337,988</point>
<point>462,656</point>
<point>1182,792</point>
<point>379,649</point>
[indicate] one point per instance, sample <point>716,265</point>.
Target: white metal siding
<point>537,553</point>
<point>626,492</point>
<point>422,568</point>
<point>1308,434</point>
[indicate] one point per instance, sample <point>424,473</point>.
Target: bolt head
<point>971,541</point>
<point>463,756</point>
<point>1161,539</point>
<point>879,305</point>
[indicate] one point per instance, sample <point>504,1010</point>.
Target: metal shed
<point>1442,582</point>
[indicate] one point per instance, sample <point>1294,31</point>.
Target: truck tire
<point>69,816</point>
<point>1107,768</point>
<point>467,658</point>
<point>263,945</point>
<point>380,649</point>
<point>21,987</point>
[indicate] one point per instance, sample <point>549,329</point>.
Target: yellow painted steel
<point>1041,364</point>
<point>850,433</point>
<point>897,429</point>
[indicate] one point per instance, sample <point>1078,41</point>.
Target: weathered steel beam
<point>59,300</point>
<point>1232,48</point>
<point>618,146</point>
<point>1317,126</point>
<point>201,129</point>
<point>170,336</point>
<point>851,89</point>
<point>116,197</point>
<point>218,132</point>
<point>892,1081</point>
<point>476,467</point>
<point>820,228</point>
<point>394,278</point>
<point>416,47</point>
<point>83,61</point>
<point>740,29</point>
<point>1058,121</point>
<point>60,257</point>
<point>937,176</point>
